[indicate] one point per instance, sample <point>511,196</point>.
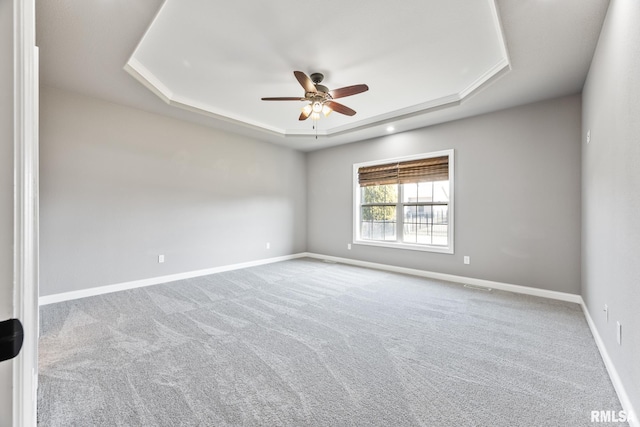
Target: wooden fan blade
<point>305,82</point>
<point>339,108</point>
<point>348,91</point>
<point>303,116</point>
<point>284,98</point>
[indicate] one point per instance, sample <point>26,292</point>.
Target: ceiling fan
<point>321,99</point>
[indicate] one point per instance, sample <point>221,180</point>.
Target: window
<point>405,202</point>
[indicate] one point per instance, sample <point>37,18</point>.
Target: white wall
<point>611,190</point>
<point>119,186</point>
<point>517,196</point>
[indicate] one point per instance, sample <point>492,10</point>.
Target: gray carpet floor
<point>309,343</point>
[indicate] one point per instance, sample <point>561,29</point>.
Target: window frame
<point>398,243</point>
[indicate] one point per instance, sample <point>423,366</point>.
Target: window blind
<point>421,170</point>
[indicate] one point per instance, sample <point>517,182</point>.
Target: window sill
<point>407,246</point>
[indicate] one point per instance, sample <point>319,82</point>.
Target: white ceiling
<point>425,61</point>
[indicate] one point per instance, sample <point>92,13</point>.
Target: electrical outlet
<point>606,313</point>
<point>619,333</point>
<point>349,246</point>
<point>160,259</point>
<point>268,245</point>
<point>467,260</point>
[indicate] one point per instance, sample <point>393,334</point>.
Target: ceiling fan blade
<point>284,98</point>
<point>304,116</point>
<point>305,82</point>
<point>339,108</point>
<point>348,91</point>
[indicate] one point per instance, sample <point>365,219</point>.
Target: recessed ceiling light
<point>390,128</point>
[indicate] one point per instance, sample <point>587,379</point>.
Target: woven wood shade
<point>421,170</point>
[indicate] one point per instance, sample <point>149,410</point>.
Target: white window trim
<point>400,245</point>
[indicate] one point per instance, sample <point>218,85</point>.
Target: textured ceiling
<point>217,59</point>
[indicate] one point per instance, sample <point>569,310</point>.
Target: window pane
<point>409,193</point>
<point>424,234</point>
<point>440,225</point>
<point>441,191</point>
<point>366,216</point>
<point>380,194</point>
<point>439,235</point>
<point>378,223</point>
<point>409,229</point>
<point>384,213</point>
<point>390,231</point>
<point>425,192</point>
<point>441,215</point>
<point>417,225</point>
<point>365,213</point>
<point>410,214</point>
<point>365,230</point>
<point>383,230</point>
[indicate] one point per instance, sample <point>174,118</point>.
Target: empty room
<point>421,213</point>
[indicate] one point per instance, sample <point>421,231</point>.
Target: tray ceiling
<point>220,58</point>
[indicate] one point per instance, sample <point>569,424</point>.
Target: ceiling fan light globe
<point>317,107</point>
<point>326,110</point>
<point>307,109</point>
<point>315,116</point>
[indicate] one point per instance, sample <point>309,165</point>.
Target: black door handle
<point>11,337</point>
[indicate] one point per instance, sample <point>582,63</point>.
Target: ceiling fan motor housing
<point>316,78</point>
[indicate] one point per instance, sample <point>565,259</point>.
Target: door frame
<point>25,267</point>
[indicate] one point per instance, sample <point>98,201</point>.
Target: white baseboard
<point>100,290</point>
<point>83,293</point>
<point>611,369</point>
<point>544,293</point>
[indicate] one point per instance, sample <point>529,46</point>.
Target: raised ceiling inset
<point>185,57</point>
